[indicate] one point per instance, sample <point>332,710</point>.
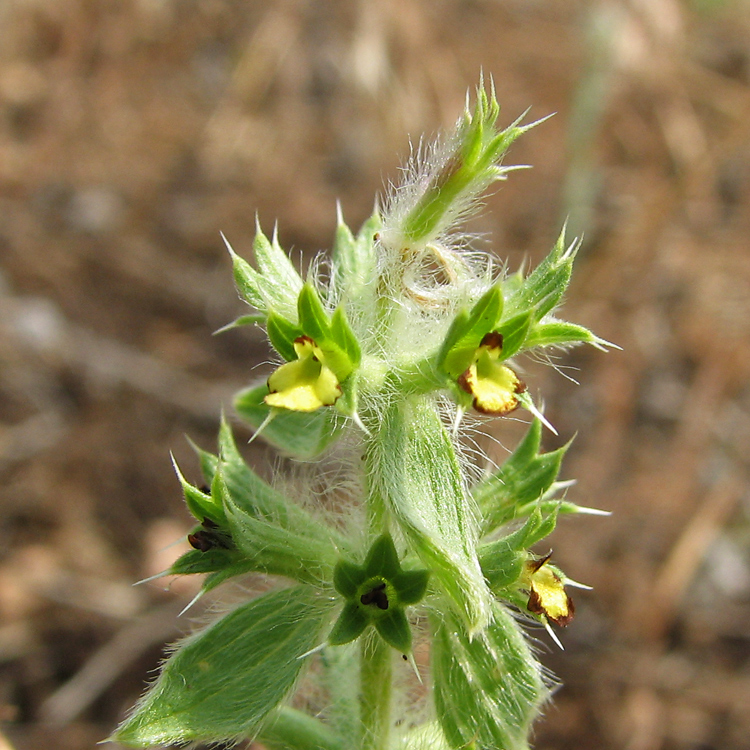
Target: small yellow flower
<point>306,383</point>
<point>495,386</point>
<point>547,594</point>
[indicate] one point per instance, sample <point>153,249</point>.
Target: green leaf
<point>416,473</point>
<point>354,261</point>
<point>223,683</point>
<point>282,334</point>
<point>274,549</point>
<point>524,477</point>
<point>256,498</point>
<point>299,434</point>
<point>277,271</point>
<point>487,689</point>
<point>545,286</point>
<point>394,629</point>
<point>246,279</point>
<point>559,333</point>
<point>313,319</point>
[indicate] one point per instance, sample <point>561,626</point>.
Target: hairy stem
<point>375,693</point>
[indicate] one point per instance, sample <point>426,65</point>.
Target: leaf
<point>524,477</point>
<point>560,333</point>
<point>282,282</point>
<point>354,260</point>
<point>303,435</point>
<point>487,689</point>
<point>223,682</point>
<point>544,287</point>
<point>246,279</point>
<point>271,547</point>
<point>257,498</point>
<point>416,473</point>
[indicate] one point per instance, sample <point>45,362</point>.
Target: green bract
<point>388,547</point>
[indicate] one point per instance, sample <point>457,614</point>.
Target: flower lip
<point>495,386</point>
<point>547,595</point>
<point>306,383</point>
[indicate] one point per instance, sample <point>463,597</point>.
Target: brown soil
<point>131,132</point>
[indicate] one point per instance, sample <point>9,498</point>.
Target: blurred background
<point>133,131</point>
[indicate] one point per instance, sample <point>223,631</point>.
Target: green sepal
<point>456,332</point>
<point>514,331</point>
<point>543,289</point>
<point>313,319</point>
<point>560,333</point>
<point>282,334</point>
<point>208,462</point>
<point>247,280</point>
<point>347,578</point>
<point>243,320</point>
<point>350,625</point>
<point>502,560</point>
<point>194,561</point>
<point>487,689</point>
<point>411,585</point>
<point>354,261</point>
<point>200,504</point>
<point>223,683</point>
<point>303,435</point>
<point>417,474</point>
<point>525,476</point>
<point>239,568</point>
<point>343,336</point>
<point>382,559</point>
<point>482,319</point>
<point>276,269</point>
<point>393,628</point>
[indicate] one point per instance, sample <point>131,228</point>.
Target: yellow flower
<point>495,386</point>
<point>547,594</point>
<point>306,383</point>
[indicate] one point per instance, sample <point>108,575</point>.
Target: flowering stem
<point>375,693</point>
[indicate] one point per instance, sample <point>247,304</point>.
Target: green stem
<point>375,693</point>
<point>295,730</point>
